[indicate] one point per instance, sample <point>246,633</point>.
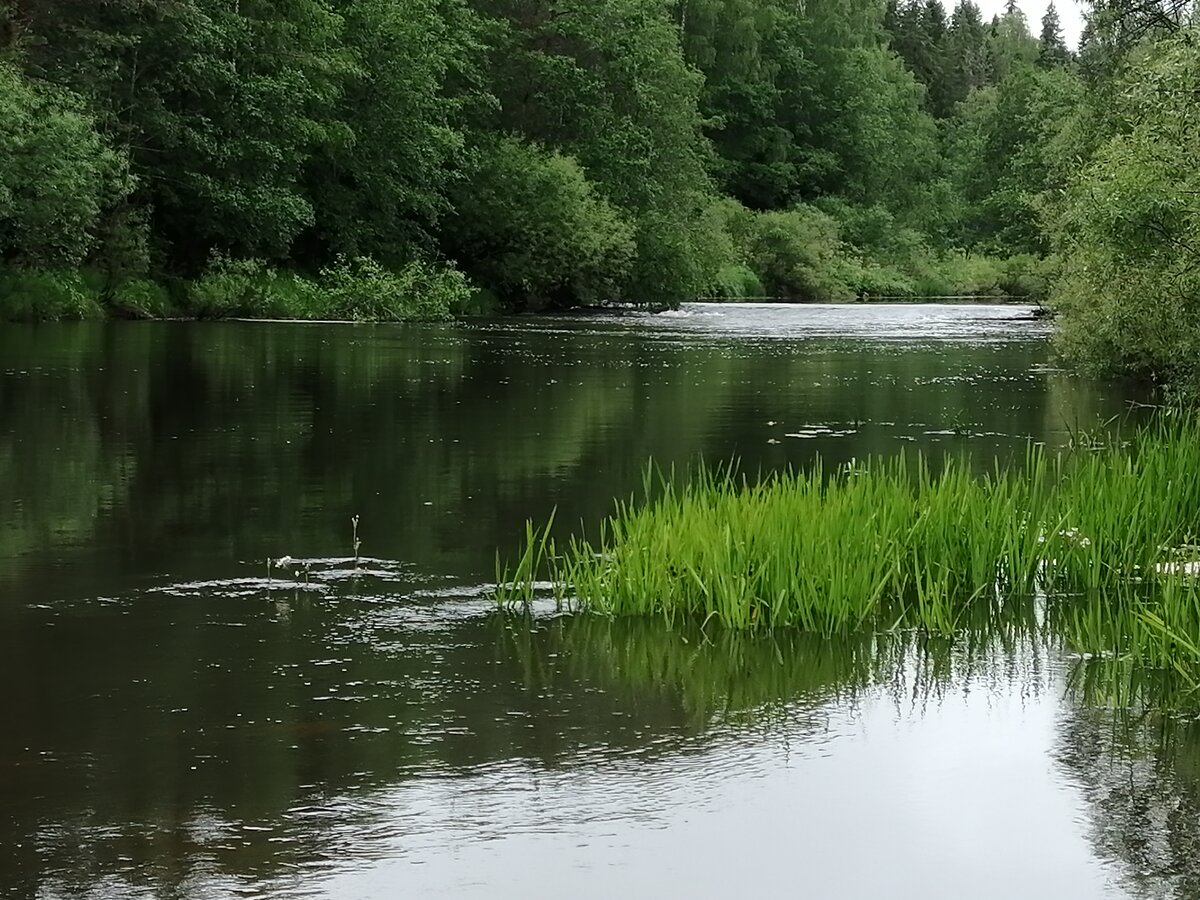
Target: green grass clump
<point>817,551</point>
<point>892,543</point>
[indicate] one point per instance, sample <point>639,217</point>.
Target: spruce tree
<point>966,51</point>
<point>1051,49</point>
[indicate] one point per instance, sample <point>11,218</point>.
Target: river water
<point>181,723</point>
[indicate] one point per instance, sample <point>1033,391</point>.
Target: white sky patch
<point>1070,13</point>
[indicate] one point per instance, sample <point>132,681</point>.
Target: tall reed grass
<point>893,543</point>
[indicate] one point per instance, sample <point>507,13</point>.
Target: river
<point>182,722</point>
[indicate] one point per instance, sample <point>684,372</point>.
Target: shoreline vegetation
<point>1103,538</point>
<point>361,290</point>
<point>368,160</point>
<point>357,290</point>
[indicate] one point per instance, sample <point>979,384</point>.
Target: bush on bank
<point>351,289</point>
<point>358,289</point>
<point>30,296</point>
<point>840,252</point>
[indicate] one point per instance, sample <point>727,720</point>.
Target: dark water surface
<point>177,726</point>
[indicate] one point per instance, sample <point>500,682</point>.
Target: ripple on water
<point>778,323</point>
<point>366,579</point>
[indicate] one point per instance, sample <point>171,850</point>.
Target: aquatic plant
<point>355,542</point>
<point>1136,646</point>
<point>286,564</point>
<point>892,543</point>
<point>519,586</point>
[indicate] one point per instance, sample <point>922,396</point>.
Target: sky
<point>1070,13</point>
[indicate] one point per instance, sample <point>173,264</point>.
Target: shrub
<point>235,287</point>
<point>737,282</point>
<point>869,279</point>
<point>796,253</point>
<point>874,231</point>
<point>1026,275</point>
<point>977,275</point>
<point>481,302</point>
<point>358,289</point>
<point>33,296</point>
<point>1128,320</point>
<point>140,298</point>
<point>363,289</point>
<point>1128,228</point>
<point>536,231</point>
<point>958,274</point>
<point>680,251</point>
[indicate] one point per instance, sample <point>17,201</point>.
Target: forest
<point>375,159</point>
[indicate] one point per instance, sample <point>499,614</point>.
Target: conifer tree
<point>1051,49</point>
<point>966,51</point>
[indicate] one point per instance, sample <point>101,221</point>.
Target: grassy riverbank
<point>354,290</point>
<point>1106,535</point>
<point>363,290</point>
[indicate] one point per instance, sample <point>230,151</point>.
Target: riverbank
<point>361,290</point>
<point>790,271</point>
<point>351,290</point>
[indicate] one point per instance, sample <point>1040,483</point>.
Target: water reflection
<point>1140,773</point>
<point>252,753</point>
<point>353,747</point>
<point>130,452</point>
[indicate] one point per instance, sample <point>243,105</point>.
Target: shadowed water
<point>180,722</point>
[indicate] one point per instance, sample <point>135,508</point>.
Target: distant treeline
<point>259,157</point>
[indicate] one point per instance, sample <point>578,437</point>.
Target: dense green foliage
<point>57,176</point>
<point>563,152</point>
<point>1089,163</point>
<point>1128,226</point>
<point>556,151</point>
